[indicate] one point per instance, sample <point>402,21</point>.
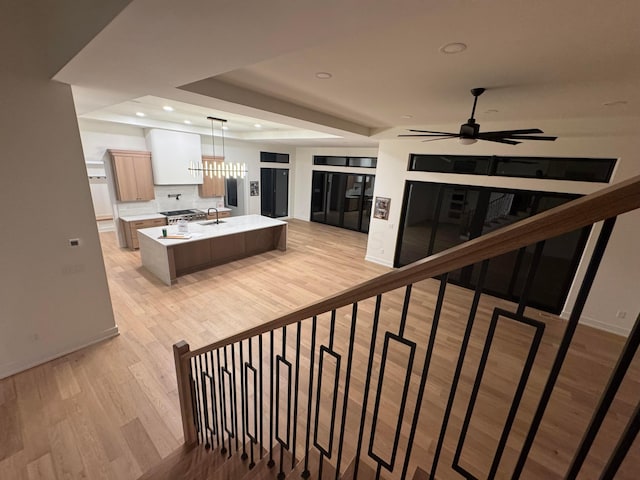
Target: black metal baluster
<point>295,404</point>
<point>372,346</point>
<point>561,354</point>
<point>252,462</point>
<point>533,349</point>
<point>194,395</point>
<point>332,330</point>
<point>456,375</point>
<point>244,455</point>
<point>271,463</point>
<point>305,472</point>
<point>205,401</point>
<point>196,381</point>
<point>283,445</point>
<point>215,398</point>
<point>354,315</point>
<point>425,371</point>
<point>619,372</point>
<point>261,362</point>
<point>223,406</point>
<point>405,310</point>
<point>232,395</point>
<point>531,274</point>
<point>623,446</point>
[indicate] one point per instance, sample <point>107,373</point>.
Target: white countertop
<point>147,216</point>
<point>227,226</point>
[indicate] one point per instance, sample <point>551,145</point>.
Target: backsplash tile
<point>189,198</point>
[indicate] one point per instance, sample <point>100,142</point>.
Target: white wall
<point>615,287</point>
<point>305,167</point>
<point>54,298</point>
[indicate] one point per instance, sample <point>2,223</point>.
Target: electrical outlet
<point>382,250</point>
<point>74,242</point>
<point>621,314</point>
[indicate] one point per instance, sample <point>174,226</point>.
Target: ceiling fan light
<point>467,140</point>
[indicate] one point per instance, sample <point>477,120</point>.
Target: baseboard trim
<point>12,369</point>
<point>379,261</point>
<point>607,327</point>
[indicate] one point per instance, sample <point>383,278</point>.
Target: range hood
<point>171,154</point>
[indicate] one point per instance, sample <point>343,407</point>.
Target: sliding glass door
<point>342,199</point>
<point>439,216</point>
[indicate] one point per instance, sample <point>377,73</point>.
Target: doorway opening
<point>274,197</point>
<point>342,199</point>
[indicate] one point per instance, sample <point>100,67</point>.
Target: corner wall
<point>54,298</point>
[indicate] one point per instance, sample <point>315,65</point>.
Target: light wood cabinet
<point>133,175</point>
<point>131,229</point>
<point>211,187</point>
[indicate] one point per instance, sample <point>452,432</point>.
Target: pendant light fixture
<point>217,169</point>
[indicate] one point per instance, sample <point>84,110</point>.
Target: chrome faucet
<point>209,213</point>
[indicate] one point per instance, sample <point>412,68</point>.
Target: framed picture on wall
<point>254,189</point>
<point>381,208</point>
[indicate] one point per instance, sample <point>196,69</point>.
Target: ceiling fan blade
<point>444,135</point>
<point>526,137</point>
<point>508,133</point>
<point>429,131</point>
<point>499,140</point>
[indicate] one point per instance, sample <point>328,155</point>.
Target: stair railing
<point>296,388</point>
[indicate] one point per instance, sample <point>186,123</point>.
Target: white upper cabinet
<point>171,154</point>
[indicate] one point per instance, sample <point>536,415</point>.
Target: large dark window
<point>270,157</point>
<point>576,169</point>
<point>342,199</point>
<point>439,216</point>
<point>363,162</point>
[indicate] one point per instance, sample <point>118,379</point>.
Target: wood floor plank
<point>14,467</point>
<point>65,453</point>
<point>41,469</point>
<point>140,444</point>
<point>11,437</point>
<point>66,380</point>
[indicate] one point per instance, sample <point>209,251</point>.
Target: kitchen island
<point>208,244</point>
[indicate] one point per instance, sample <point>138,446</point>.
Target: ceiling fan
<point>470,131</point>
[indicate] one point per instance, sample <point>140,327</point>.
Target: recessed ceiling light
<point>224,127</point>
<point>257,125</point>
<point>323,75</point>
<point>455,47</point>
<point>140,114</point>
<point>615,103</point>
<point>188,122</point>
<point>167,108</point>
<point>407,116</point>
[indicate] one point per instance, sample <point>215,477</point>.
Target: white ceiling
<point>546,64</point>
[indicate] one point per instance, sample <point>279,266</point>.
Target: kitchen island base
<point>209,246</point>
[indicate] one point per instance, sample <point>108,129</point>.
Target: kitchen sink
<point>211,222</point>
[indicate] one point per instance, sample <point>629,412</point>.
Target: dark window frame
<point>347,161</point>
<point>494,161</point>
<point>273,157</point>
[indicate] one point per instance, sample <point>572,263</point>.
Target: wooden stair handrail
<point>606,203</point>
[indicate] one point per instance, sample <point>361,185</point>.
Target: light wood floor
<point>111,410</point>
